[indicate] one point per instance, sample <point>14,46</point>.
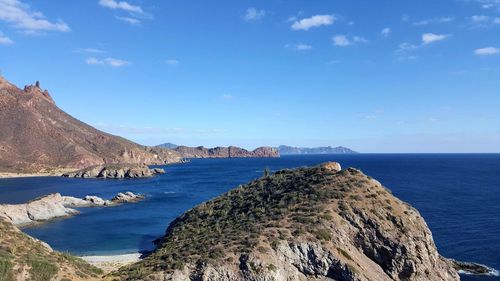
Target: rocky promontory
<point>226,152</point>
<point>319,223</point>
<point>57,206</point>
<point>116,171</point>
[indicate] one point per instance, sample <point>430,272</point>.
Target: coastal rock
<point>225,152</point>
<point>116,171</point>
<point>318,223</point>
<point>126,197</point>
<point>56,206</point>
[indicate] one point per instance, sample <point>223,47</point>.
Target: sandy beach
<point>110,263</point>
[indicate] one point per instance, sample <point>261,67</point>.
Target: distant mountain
<point>168,145</point>
<point>225,152</point>
<point>35,136</point>
<point>290,150</point>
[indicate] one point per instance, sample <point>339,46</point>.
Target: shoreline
<point>13,175</point>
<point>112,262</point>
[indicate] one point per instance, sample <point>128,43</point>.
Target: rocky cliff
<point>225,152</point>
<point>116,171</point>
<point>57,206</point>
<point>37,136</point>
<point>319,223</point>
<point>25,258</point>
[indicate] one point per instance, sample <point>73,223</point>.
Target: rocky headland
<point>116,171</point>
<point>38,137</point>
<point>319,223</point>
<point>225,152</point>
<point>57,206</point>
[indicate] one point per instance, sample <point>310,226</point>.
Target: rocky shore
<point>57,206</point>
<point>116,171</point>
<point>318,223</point>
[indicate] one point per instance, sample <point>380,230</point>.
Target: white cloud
<point>4,40</point>
<point>428,38</point>
<point>253,14</point>
<point>496,21</point>
<point>227,97</point>
<point>121,5</point>
<point>303,47</point>
<point>344,41</point>
<point>129,20</point>
<point>314,21</point>
<point>480,18</point>
<point>90,51</point>
<point>299,47</point>
<point>434,20</point>
<point>172,62</point>
<point>385,32</point>
<point>341,41</point>
<point>488,51</point>
<point>107,61</point>
<point>22,17</point>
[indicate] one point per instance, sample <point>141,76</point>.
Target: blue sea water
<point>457,194</point>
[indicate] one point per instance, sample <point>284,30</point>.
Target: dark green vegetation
<point>285,205</point>
<point>19,252</point>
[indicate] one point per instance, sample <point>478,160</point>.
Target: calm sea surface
<point>457,194</point>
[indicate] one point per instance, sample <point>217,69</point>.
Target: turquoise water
<point>457,194</point>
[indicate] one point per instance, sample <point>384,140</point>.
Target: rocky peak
<point>37,90</point>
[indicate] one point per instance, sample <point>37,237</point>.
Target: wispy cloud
<point>428,38</point>
<point>172,62</point>
<point>386,32</point>
<point>344,41</point>
<point>107,61</point>
<point>488,51</point>
<point>4,40</point>
<point>434,20</point>
<point>121,5</point>
<point>314,21</point>
<point>252,14</point>
<point>299,47</point>
<point>89,51</point>
<point>22,17</point>
<point>227,97</point>
<point>132,21</point>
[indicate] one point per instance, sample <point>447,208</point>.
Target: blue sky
<point>376,76</point>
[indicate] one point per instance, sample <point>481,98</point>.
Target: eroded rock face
<point>57,206</point>
<point>116,171</point>
<point>226,152</point>
<point>319,223</point>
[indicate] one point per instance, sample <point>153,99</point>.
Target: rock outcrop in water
<point>36,136</point>
<point>56,206</point>
<point>25,258</point>
<point>225,152</point>
<point>319,223</point>
<point>116,171</point>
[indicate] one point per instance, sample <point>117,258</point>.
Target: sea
<point>457,194</point>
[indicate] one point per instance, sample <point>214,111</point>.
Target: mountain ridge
<point>38,136</point>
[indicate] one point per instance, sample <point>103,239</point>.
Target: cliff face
<point>36,135</point>
<point>225,152</point>
<point>319,223</point>
<point>25,258</point>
